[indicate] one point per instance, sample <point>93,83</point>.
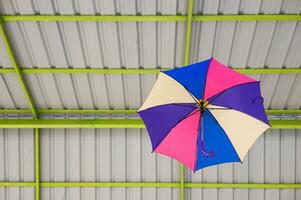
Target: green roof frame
<point>17,70</point>
<point>110,123</point>
<point>122,123</point>
<point>148,18</point>
<point>117,111</point>
<point>140,71</point>
<point>186,62</point>
<point>30,101</point>
<point>157,185</point>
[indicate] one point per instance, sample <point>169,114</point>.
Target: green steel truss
<point>16,69</point>
<point>186,62</point>
<point>148,18</point>
<point>140,71</point>
<point>109,123</point>
<point>124,123</point>
<point>30,101</point>
<point>156,185</point>
<point>117,111</point>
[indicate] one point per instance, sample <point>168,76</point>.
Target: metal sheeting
<point>147,45</point>
<point>11,94</point>
<point>16,155</point>
<point>16,193</point>
<point>254,194</point>
<point>98,44</point>
<point>90,7</point>
<point>120,155</point>
<point>103,155</point>
<point>124,155</point>
<point>16,162</point>
<point>94,92</point>
<point>116,155</point>
<point>275,158</point>
<point>246,7</point>
<point>109,193</point>
<point>73,44</point>
<point>255,45</point>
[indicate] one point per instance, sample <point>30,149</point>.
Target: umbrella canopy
<point>204,114</point>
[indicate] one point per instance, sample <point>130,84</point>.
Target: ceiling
<point>123,155</point>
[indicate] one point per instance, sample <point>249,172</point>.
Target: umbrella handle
<point>204,152</point>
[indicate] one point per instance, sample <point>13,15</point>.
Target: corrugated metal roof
<point>147,45</point>
<point>124,155</point>
<point>121,155</point>
<point>11,95</point>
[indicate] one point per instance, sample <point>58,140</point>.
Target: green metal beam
<point>108,123</point>
<point>285,124</point>
<point>148,18</point>
<point>6,71</point>
<point>102,18</point>
<point>113,112</point>
<point>244,185</point>
<point>113,184</point>
<point>15,111</point>
<point>140,71</point>
<point>186,62</point>
<point>182,181</point>
<point>72,123</point>
<point>17,69</point>
<point>19,74</point>
<point>156,185</point>
<point>86,111</point>
<point>269,70</point>
<point>207,18</point>
<point>17,184</point>
<point>37,164</point>
<point>283,112</point>
<point>67,111</point>
<point>188,32</point>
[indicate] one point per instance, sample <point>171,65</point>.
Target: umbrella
<point>204,114</point>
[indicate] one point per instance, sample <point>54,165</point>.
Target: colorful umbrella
<point>204,114</point>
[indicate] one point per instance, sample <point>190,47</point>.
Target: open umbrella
<point>204,114</point>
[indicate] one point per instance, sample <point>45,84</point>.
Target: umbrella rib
<point>178,104</point>
<point>190,114</point>
<point>227,108</point>
<point>219,108</point>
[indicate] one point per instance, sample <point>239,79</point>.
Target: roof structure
<point>73,74</point>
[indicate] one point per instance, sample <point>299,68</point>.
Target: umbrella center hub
<point>202,104</point>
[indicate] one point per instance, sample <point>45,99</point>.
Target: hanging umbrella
<point>204,114</point>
